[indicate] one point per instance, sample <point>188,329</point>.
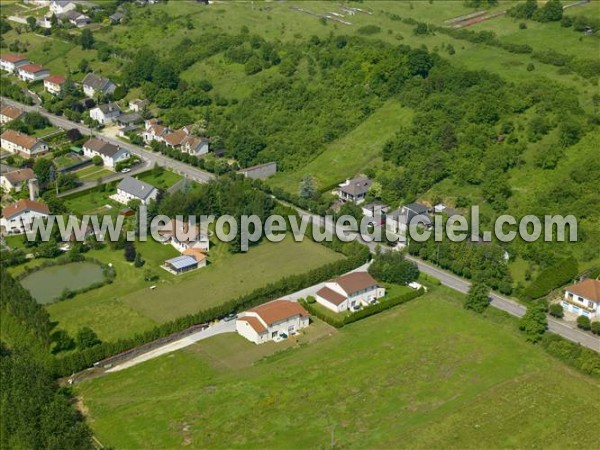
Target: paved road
<point>219,328</point>
<point>181,168</point>
<point>107,179</point>
<point>565,329</point>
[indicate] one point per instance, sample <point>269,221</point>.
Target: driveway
<point>219,328</point>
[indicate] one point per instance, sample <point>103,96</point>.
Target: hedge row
<point>79,360</point>
<point>339,322</point>
<point>581,358</point>
<point>553,277</point>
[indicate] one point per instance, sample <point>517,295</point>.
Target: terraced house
<point>12,62</point>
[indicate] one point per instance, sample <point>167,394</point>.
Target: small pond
<point>48,284</point>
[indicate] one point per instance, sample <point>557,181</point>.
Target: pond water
<point>47,284</point>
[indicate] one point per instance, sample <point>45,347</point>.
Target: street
<point>192,173</point>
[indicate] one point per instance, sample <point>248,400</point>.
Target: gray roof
<point>109,107</point>
<point>137,188</point>
<point>130,118</point>
<point>100,146</point>
<point>357,186</point>
<point>417,208</point>
<point>96,82</point>
<point>181,262</point>
<point>117,16</point>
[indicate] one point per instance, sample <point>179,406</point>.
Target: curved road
<point>152,158</point>
<point>562,328</point>
<point>565,329</point>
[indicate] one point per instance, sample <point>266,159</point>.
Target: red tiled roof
<point>588,289</point>
<point>20,139</point>
<point>10,112</point>
<point>195,253</point>
<point>56,79</point>
<point>279,310</point>
<point>254,323</point>
<point>355,281</point>
<point>32,68</point>
<point>12,58</point>
<point>24,205</point>
<point>331,296</point>
<point>176,138</point>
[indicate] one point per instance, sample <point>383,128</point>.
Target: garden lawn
<point>128,306</point>
<point>164,180</point>
<point>352,153</point>
<point>427,374</point>
<point>229,276</point>
<point>92,173</point>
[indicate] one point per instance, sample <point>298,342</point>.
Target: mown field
<point>427,374</point>
<point>128,306</point>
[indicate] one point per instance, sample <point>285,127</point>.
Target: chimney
<point>33,189</point>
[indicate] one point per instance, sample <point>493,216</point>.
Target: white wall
<point>14,225</point>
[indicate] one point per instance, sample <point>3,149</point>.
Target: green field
<point>351,154</point>
<point>128,305</point>
<point>427,374</point>
<point>92,173</point>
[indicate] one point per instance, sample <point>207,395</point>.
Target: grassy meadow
<point>427,374</point>
<point>128,306</point>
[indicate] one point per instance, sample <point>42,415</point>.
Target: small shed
<point>181,264</point>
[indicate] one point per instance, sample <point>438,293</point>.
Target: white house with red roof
<point>349,292</point>
<point>32,72</point>
<point>9,113</point>
<point>583,298</point>
<point>272,321</point>
<point>15,180</point>
<point>11,62</point>
<point>18,217</point>
<point>54,83</point>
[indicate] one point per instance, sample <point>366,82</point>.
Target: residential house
<point>583,298</point>
<point>195,145</point>
<point>32,72</point>
<point>20,143</point>
<point>16,179</point>
<point>196,253</point>
<point>272,321</point>
<point>94,84</point>
<point>105,114</point>
<point>11,62</point>
<point>128,119</point>
<point>183,235</point>
<point>18,217</point>
<point>138,105</point>
<point>8,113</point>
<point>260,171</point>
<point>75,18</point>
<point>375,209</point>
<point>133,189</point>
<point>54,83</point>
<point>350,291</point>
<point>61,6</point>
<point>117,17</point>
<point>154,131</point>
<point>412,214</point>
<point>354,190</point>
<point>181,264</point>
<point>111,154</point>
<point>175,138</point>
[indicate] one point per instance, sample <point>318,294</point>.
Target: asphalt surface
<point>565,329</point>
<point>152,158</point>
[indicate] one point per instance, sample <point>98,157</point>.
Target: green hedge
<point>581,358</point>
<point>553,277</point>
<point>79,360</point>
<point>339,322</point>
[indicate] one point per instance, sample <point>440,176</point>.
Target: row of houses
<point>20,66</point>
<point>181,139</point>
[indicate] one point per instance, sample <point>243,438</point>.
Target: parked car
<point>230,317</point>
<point>126,170</point>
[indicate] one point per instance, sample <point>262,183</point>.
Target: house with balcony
<point>350,292</point>
<point>583,298</point>
<point>354,190</point>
